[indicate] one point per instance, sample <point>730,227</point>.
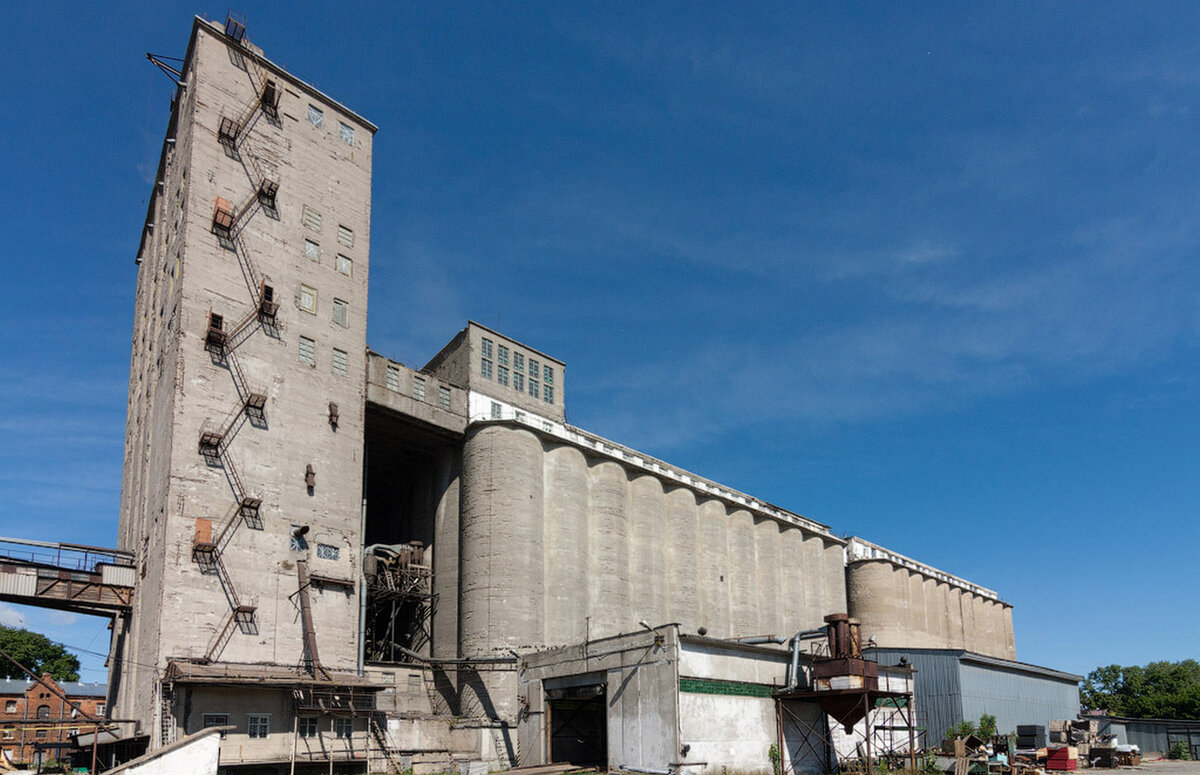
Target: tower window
<point>312,218</point>
<point>518,382</point>
<point>419,388</point>
<point>308,298</point>
<point>345,236</point>
<point>485,368</point>
<point>502,355</point>
<point>312,250</point>
<point>518,362</point>
<point>308,351</point>
<point>496,411</point>
<point>346,132</point>
<point>341,311</point>
<point>316,116</point>
<point>345,265</point>
<point>444,397</point>
<point>533,369</point>
<point>339,362</point>
<point>487,348</point>
<point>547,375</point>
<point>392,379</point>
<point>502,375</point>
<point>548,393</point>
<point>534,387</point>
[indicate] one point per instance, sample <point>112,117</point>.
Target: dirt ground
<point>1166,767</point>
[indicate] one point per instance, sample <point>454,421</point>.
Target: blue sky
<point>923,272</point>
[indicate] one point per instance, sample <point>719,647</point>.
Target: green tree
<point>1157,690</point>
<point>38,653</point>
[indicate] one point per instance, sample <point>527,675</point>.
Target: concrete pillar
<point>815,580</point>
<point>608,555</point>
<point>714,569</point>
<point>917,626</point>
<point>566,536</point>
<point>1010,641</point>
<point>501,594</point>
<point>742,576</point>
<point>871,594</point>
<point>835,577</point>
<point>683,550</point>
<point>648,556</point>
<point>767,544</point>
<point>956,632</point>
<point>444,555</point>
<point>794,580</point>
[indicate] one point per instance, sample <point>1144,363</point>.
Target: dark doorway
<point>578,725</point>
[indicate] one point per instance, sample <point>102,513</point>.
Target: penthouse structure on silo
<point>242,490</point>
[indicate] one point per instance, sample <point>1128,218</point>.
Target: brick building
<point>32,717</point>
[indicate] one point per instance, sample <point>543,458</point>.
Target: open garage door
<point>578,720</point>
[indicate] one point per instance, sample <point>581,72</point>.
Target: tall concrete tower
<point>242,491</point>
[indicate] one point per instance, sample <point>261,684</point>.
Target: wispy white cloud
<point>11,617</point>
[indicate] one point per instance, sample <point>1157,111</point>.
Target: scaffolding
<point>400,601</point>
<point>853,693</point>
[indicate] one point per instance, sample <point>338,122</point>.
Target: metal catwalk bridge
<point>69,577</point>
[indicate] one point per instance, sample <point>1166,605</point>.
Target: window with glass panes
<point>419,388</point>
<point>340,360</point>
<point>258,725</point>
<point>392,379</point>
<point>444,397</point>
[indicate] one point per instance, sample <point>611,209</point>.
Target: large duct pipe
<point>793,678</point>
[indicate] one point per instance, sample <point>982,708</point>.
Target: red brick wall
<point>21,728</point>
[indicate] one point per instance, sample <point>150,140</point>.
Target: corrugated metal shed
<point>953,685</point>
<point>1153,735</point>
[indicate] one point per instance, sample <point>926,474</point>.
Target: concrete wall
<point>197,754</point>
<point>726,712</point>
<point>190,273</point>
<point>904,607</point>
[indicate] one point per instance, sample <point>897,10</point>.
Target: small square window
<point>485,368</point>
<point>548,393</point>
<point>307,726</point>
<point>345,236</point>
<point>216,720</point>
<point>312,218</point>
<point>502,355</point>
<point>339,362</point>
<point>299,542</point>
<point>518,382</point>
<point>345,265</point>
<point>258,725</point>
<point>502,375</point>
<point>100,708</point>
<point>341,311</point>
<point>393,378</point>
<point>487,348</point>
<point>343,727</point>
<point>328,552</point>
<point>10,706</point>
<point>496,411</point>
<point>535,389</point>
<point>346,132</point>
<point>308,351</point>
<point>518,362</point>
<point>547,375</point>
<point>444,397</point>
<point>312,250</point>
<point>8,733</point>
<point>308,298</point>
<point>418,388</point>
<point>316,116</point>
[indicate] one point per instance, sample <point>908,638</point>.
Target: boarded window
<point>345,265</point>
<point>312,218</point>
<point>308,298</point>
<point>316,116</point>
<point>346,132</point>
<point>312,250</point>
<point>345,236</point>
<point>339,362</point>
<point>308,351</point>
<point>444,397</point>
<point>393,378</point>
<point>419,388</point>
<point>341,311</point>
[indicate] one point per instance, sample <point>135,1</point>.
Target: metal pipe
<point>644,770</point>
<point>441,661</point>
<point>762,639</point>
<point>794,671</point>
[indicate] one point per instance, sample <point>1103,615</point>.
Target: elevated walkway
<point>68,577</point>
